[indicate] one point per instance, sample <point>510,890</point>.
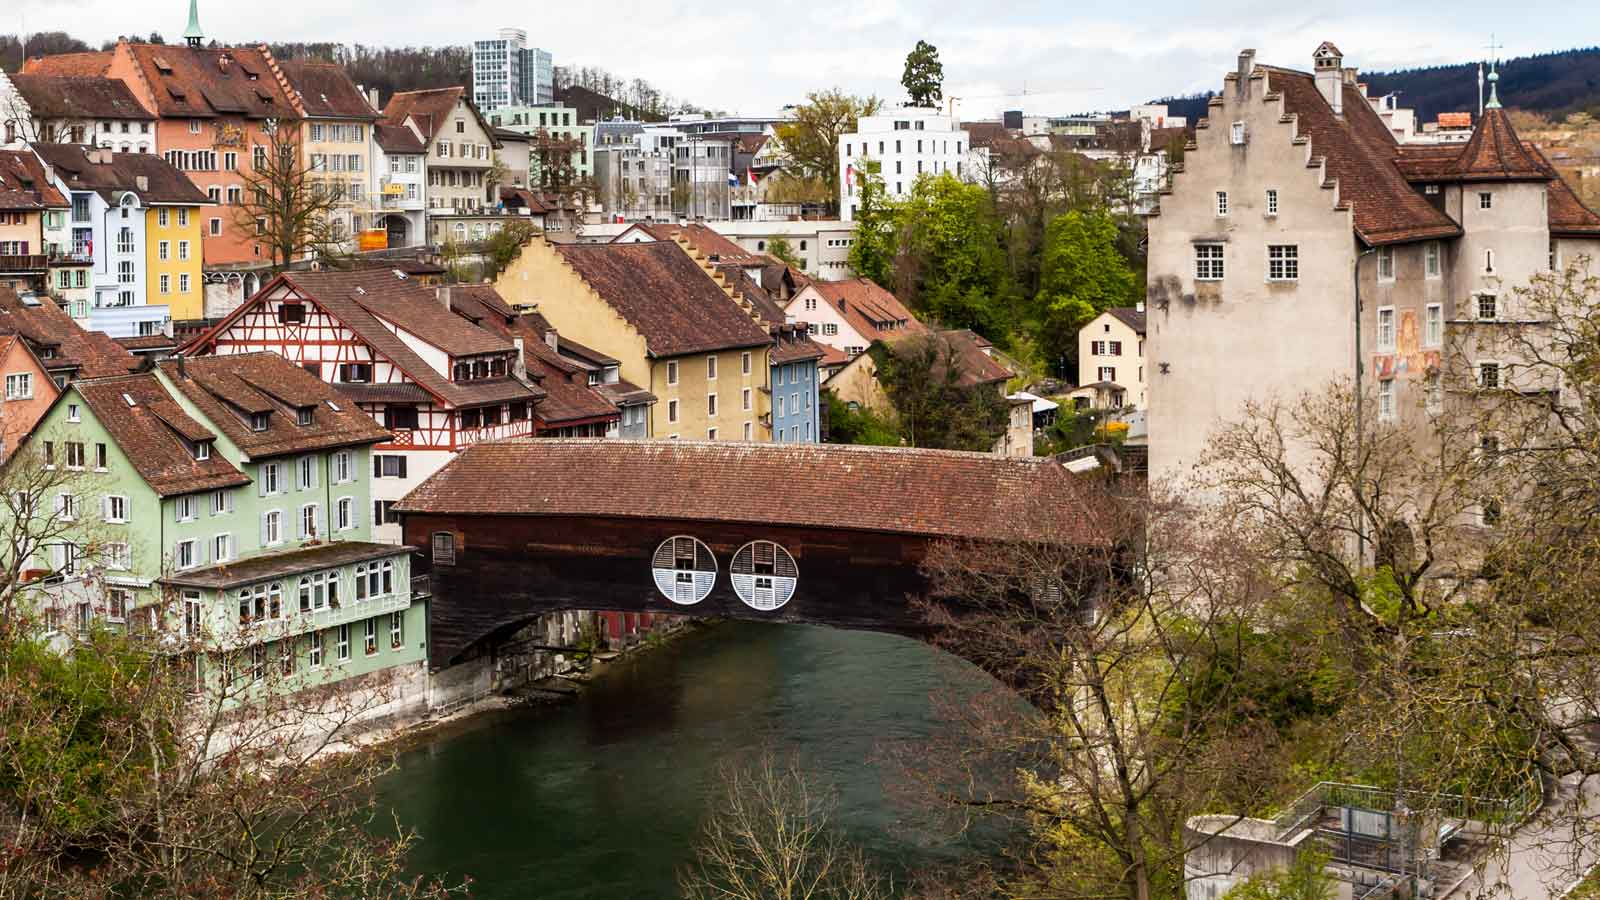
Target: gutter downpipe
<point>1355,277</point>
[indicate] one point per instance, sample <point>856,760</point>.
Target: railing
<point>28,263</point>
<point>421,587</point>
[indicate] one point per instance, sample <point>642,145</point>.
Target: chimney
<point>1247,63</point>
<point>442,292</point>
<point>519,367</point>
<point>551,340</point>
<point>1327,64</point>
<point>142,182</point>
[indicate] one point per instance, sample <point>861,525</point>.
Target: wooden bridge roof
<point>929,493</point>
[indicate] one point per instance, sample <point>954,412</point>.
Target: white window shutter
<point>263,529</point>
<point>229,495</point>
<point>261,480</point>
<point>355,514</point>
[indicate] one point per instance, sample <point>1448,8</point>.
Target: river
<point>602,797</point>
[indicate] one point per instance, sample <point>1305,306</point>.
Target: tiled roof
<point>1360,154</point>
<point>283,565</point>
<point>349,296</point>
<point>79,97</point>
<point>1495,153</point>
<point>794,345</point>
<point>93,354</point>
<point>984,134</point>
<point>147,342</point>
<point>870,310</point>
<point>209,82</point>
<point>230,388</point>
<point>665,296</point>
<point>398,139</point>
<point>1568,216</point>
<point>976,367</point>
<point>704,240</point>
<point>1455,120</point>
<point>326,92</point>
<point>766,308</point>
<point>91,64</point>
<point>936,493</point>
<point>150,430</point>
<point>432,323</point>
<point>24,185</point>
<point>428,109</point>
<point>110,174</point>
<point>1130,316</point>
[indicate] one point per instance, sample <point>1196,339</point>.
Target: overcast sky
<point>754,58</point>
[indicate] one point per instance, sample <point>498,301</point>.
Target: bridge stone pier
<point>823,534</point>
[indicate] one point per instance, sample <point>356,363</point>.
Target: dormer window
<point>202,450</point>
<point>302,416</point>
<point>258,421</point>
<point>594,378</point>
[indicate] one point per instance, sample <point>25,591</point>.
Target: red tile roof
<point>704,240</point>
<point>933,493</point>
<point>24,185</point>
<point>228,389</point>
<point>428,109</point>
<point>326,92</point>
<point>1130,316</point>
<point>93,169</point>
<point>1455,120</point>
<point>398,139</point>
<point>1360,154</point>
<point>152,430</point>
<point>91,354</point>
<point>976,367</point>
<point>870,310</point>
<point>92,64</point>
<point>1568,216</point>
<point>665,296</point>
<point>79,97</point>
<point>211,82</point>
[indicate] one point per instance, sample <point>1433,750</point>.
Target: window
<point>747,431</point>
<point>744,399</point>
<point>397,630</point>
<point>369,637</point>
<point>1433,325</point>
<point>19,386</point>
<point>306,473</point>
<point>183,555</point>
<point>1272,201</point>
<point>344,514</point>
<point>1385,263</point>
<point>309,516</point>
<point>186,508</point>
<point>163,249</point>
<point>1106,373</point>
<point>314,650</point>
<point>260,420</point>
<point>1208,262</point>
<point>444,548</point>
<point>1283,262</point>
<point>1488,374</point>
<point>303,415</point>
<point>388,465</point>
<point>1488,306</point>
<point>272,527</point>
<point>1488,262</point>
<point>1485,200</point>
<point>166,283</point>
<point>342,643</point>
<point>711,368</point>
<point>291,313</point>
<point>355,373</point>
<point>744,363</point>
<point>344,467</point>
<point>100,457</point>
<point>672,372</point>
<point>1222,203</point>
<point>115,509</point>
<point>222,548</point>
<point>319,592</point>
<point>270,475</point>
<point>1386,400</point>
<point>1435,388</point>
<point>672,410</point>
<point>1430,259</point>
<point>1236,134</point>
<point>711,434</point>
<point>221,502</point>
<point>216,226</point>
<point>711,404</point>
<point>1385,328</point>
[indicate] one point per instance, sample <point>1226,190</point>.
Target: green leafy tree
<point>924,75</point>
<point>852,425</point>
<point>1082,275</point>
<point>779,249</point>
<point>877,231</point>
<point>809,142</point>
<point>1305,880</point>
<point>949,262</point>
<point>922,377</point>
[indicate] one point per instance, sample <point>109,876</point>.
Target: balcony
<point>13,264</point>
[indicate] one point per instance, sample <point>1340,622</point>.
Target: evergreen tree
<point>924,75</point>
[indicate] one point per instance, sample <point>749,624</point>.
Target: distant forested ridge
<point>390,69</point>
<point>1554,84</point>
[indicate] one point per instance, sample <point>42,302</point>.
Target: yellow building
<point>336,140</point>
<point>173,258</point>
<point>672,328</point>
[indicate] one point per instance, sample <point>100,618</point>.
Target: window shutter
<point>355,514</point>
<point>202,552</point>
<point>261,480</point>
<point>377,466</point>
<point>402,467</point>
<point>229,496</point>
<point>105,508</point>
<point>263,529</point>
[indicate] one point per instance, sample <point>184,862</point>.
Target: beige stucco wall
<point>1129,363</point>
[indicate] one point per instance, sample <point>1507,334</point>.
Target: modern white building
<point>898,145</point>
<point>507,72</point>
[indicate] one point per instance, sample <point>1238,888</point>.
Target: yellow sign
<point>394,190</point>
<point>376,239</point>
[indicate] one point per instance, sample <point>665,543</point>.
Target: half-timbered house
<point>434,379</point>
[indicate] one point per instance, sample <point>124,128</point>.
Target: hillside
<point>1551,83</point>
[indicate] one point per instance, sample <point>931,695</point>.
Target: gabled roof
<point>211,82</point>
<point>91,354</point>
<point>1130,316</point>
<point>79,97</point>
<point>152,431</point>
<point>350,296</point>
<point>1360,153</point>
<point>872,311</point>
<point>665,296</point>
<point>326,92</point>
<point>229,389</point>
<point>430,109</point>
<point>398,139</point>
<point>893,490</point>
<point>24,185</point>
<point>703,240</point>
<point>974,366</point>
<point>90,64</point>
<point>112,174</point>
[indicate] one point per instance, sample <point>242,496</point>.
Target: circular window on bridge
<point>685,570</point>
<point>764,575</point>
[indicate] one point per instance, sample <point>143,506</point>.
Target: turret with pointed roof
<point>193,35</point>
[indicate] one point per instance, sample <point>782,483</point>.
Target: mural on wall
<point>1409,357</point>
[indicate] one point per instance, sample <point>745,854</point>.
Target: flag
<point>849,174</point>
<point>750,174</point>
<point>733,180</point>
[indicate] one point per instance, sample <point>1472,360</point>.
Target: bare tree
<point>45,530</point>
<point>287,203</point>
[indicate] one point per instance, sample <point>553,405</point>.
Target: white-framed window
<point>183,218</point>
<point>1272,201</point>
<point>272,527</point>
<point>672,372</point>
<point>1208,262</point>
<point>344,514</point>
<point>1283,262</point>
<point>369,637</point>
<point>711,434</point>
<point>780,406</point>
<point>183,282</point>
<point>185,555</point>
<point>744,400</point>
<point>115,510</point>
<point>164,248</point>
<point>1433,325</point>
<point>1386,329</point>
<point>222,548</point>
<point>1488,374</point>
<point>75,456</point>
<point>1222,203</point>
<point>711,368</point>
<point>221,502</point>
<point>1237,134</point>
<point>1488,306</point>
<point>711,404</point>
<point>672,411</point>
<point>1485,200</point>
<point>116,556</point>
<point>19,386</point>
<point>74,412</point>
<point>342,643</point>
<point>747,431</point>
<point>397,630</point>
<point>118,600</point>
<point>319,592</point>
<point>1430,260</point>
<point>310,524</point>
<point>271,479</point>
<point>344,467</point>
<point>305,473</point>
<point>186,508</point>
<point>1106,373</point>
<point>1386,400</point>
<point>166,283</point>
<point>744,363</point>
<point>1385,263</point>
<point>314,650</point>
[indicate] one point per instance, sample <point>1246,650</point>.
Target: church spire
<point>193,35</point>
<point>1493,77</point>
